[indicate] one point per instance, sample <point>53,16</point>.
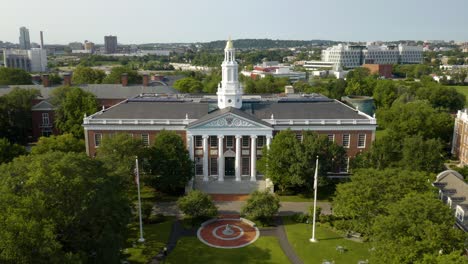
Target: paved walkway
<point>234,207</point>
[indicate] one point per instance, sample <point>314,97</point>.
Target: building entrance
<point>230,169</point>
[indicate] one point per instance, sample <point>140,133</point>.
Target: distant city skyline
<point>146,21</point>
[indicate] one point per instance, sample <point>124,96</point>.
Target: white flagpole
<point>315,201</point>
<point>137,171</point>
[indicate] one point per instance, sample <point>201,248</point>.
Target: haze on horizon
<point>156,21</point>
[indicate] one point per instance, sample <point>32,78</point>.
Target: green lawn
<point>324,194</point>
<point>191,250</point>
<point>156,236</point>
<point>299,235</point>
<point>463,90</point>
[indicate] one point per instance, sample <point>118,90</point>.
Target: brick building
<point>225,133</point>
<point>383,70</point>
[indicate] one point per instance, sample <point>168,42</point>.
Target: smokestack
<point>42,40</point>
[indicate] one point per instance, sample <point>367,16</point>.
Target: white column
<point>220,158</point>
<point>190,146</point>
<point>238,157</point>
<point>205,157</point>
<point>253,158</point>
<point>268,139</point>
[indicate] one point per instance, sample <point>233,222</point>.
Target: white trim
<point>328,128</point>
<point>134,128</point>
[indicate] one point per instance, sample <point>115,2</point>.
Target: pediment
<point>229,121</point>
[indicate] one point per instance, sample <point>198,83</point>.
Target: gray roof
<point>101,91</point>
<point>178,108</point>
<point>227,110</point>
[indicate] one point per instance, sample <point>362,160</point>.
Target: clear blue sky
<point>143,21</point>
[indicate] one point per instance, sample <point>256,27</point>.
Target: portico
<point>227,144</point>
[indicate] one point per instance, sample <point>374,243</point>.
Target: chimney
<point>45,80</point>
<point>124,79</point>
<point>42,40</point>
<point>67,79</point>
<point>145,79</point>
<point>288,89</point>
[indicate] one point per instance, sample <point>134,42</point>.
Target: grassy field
<point>463,90</point>
<point>191,250</point>
<point>324,194</point>
<point>311,253</point>
<point>156,236</point>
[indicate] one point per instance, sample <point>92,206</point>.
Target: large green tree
<point>197,204</point>
<point>422,155</point>
<point>60,208</point>
<point>443,97</point>
<point>12,76</point>
<point>262,206</point>
<point>115,76</point>
<point>385,93</point>
<point>416,227</point>
<point>62,143</point>
<point>15,114</point>
<point>168,163</point>
<point>87,75</point>
<point>290,163</point>
<point>189,85</point>
<point>118,154</point>
<point>371,191</point>
<point>9,151</point>
<point>72,103</point>
<point>416,118</point>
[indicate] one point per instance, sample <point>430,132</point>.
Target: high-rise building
<point>24,42</point>
<point>110,44</point>
<point>89,46</point>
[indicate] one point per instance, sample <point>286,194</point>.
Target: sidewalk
<point>287,208</point>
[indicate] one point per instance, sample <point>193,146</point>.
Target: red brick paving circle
<point>243,234</point>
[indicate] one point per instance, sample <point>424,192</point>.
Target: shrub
<point>261,206</point>
<point>197,204</point>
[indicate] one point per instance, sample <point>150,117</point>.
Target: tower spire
<point>229,91</point>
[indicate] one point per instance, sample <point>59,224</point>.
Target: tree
<point>371,191</point>
<point>284,162</point>
<point>385,93</point>
<point>62,143</point>
<point>118,154</point>
<point>168,165</point>
<point>385,152</point>
<point>54,79</point>
<point>15,114</point>
<point>60,208</point>
<point>72,103</point>
<point>262,206</point>
<point>189,85</point>
<point>423,155</point>
<point>290,163</point>
<point>12,76</point>
<point>115,75</point>
<point>197,205</point>
<point>9,151</point>
<point>416,227</point>
<point>454,257</point>
<point>443,97</point>
<point>87,75</point>
<point>416,118</point>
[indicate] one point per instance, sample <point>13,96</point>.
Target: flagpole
<point>315,201</point>
<point>137,170</point>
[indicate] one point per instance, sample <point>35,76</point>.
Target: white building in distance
<point>352,56</point>
<point>33,60</point>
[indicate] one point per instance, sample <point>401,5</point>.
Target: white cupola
<point>229,90</point>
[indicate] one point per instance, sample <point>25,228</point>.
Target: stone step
<point>228,186</point>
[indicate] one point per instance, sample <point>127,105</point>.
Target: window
<point>459,214</point>
<point>145,139</point>
<point>261,141</point>
<point>361,140</point>
<point>213,141</point>
<point>198,166</point>
<point>245,141</point>
<point>299,137</point>
<point>97,139</point>
<point>213,166</point>
<point>45,118</point>
<point>229,142</point>
<point>46,132</point>
<point>198,141</point>
<point>346,139</point>
<point>245,166</point>
<point>331,138</point>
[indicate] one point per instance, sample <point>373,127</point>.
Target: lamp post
<point>137,175</point>
<point>313,239</point>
